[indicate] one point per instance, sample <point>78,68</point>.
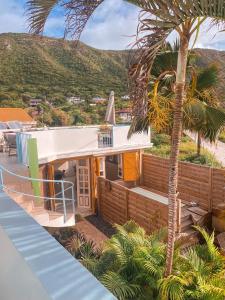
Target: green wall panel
<point>33,164</point>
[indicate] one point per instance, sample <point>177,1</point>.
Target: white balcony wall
<point>120,139</point>
<point>80,141</point>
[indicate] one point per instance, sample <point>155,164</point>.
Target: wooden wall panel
<point>200,184</point>
<point>118,204</point>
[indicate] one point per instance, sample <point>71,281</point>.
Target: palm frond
<point>207,78</point>
<point>172,288</point>
<point>38,12</point>
<point>120,287</point>
<point>157,20</point>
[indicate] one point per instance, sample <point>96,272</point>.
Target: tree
<point>199,274</point>
<point>159,19</point>
<point>207,118</point>
<point>202,113</point>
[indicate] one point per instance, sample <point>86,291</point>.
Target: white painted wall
<point>120,137</point>
<point>80,141</point>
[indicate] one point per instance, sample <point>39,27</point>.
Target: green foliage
<point>45,67</point>
<point>160,139</point>
<point>200,274</point>
<point>131,265</point>
<point>222,136</point>
<point>187,151</point>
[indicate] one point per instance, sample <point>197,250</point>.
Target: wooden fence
<point>118,204</point>
<point>200,184</point>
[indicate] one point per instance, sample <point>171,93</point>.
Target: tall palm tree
<point>207,118</point>
<point>158,20</point>
<point>202,113</point>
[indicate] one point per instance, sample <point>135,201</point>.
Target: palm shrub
<point>198,274</point>
<point>131,262</point>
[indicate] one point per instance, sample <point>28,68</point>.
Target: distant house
<point>126,97</point>
<point>98,100</point>
<point>35,102</point>
<point>124,115</point>
<point>75,100</point>
<point>13,117</point>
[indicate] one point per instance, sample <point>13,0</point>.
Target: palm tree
<point>202,113</point>
<point>159,19</point>
<point>198,274</point>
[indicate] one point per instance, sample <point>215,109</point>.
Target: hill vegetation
<point>54,69</point>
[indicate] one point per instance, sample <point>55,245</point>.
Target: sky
<point>113,25</point>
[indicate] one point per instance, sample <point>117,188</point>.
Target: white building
<point>125,115</point>
<point>75,100</point>
<point>126,97</point>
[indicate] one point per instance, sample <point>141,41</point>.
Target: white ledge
<point>35,266</point>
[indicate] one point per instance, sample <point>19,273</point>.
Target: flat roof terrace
<point>70,142</point>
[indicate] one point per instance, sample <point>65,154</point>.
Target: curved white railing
<point>9,178</point>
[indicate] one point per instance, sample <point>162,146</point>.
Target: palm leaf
<point>76,12</point>
<point>120,287</point>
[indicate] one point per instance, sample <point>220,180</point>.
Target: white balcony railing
<point>61,205</point>
<point>105,139</point>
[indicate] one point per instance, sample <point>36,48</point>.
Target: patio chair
<point>11,143</point>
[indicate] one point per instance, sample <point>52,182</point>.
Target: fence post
<point>127,205</point>
<point>1,180</point>
<point>210,204</point>
<point>178,215</point>
<point>73,200</point>
<point>64,201</point>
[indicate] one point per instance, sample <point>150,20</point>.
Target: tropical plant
<point>158,20</point>
<point>198,274</point>
<point>202,113</point>
<point>131,262</point>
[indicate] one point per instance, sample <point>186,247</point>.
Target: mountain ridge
<point>55,68</point>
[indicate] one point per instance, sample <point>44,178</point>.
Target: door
<point>83,183</point>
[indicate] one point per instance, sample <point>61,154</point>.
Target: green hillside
<point>55,68</point>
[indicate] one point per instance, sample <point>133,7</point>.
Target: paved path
<point>217,149</point>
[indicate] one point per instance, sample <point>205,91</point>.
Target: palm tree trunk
<point>199,144</point>
<point>176,138</point>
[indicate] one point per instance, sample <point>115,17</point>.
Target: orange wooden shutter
<point>97,166</point>
<point>130,166</point>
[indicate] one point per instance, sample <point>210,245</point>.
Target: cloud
<point>12,17</point>
<point>112,26</point>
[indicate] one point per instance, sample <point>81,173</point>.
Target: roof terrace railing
<point>63,201</point>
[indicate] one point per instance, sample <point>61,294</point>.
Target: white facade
<point>80,141</point>
<point>75,100</point>
<point>126,97</point>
